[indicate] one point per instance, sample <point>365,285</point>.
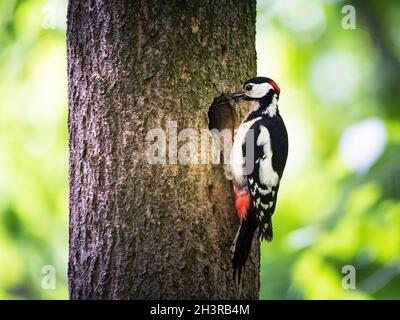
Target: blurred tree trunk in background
<point>141,231</point>
<point>388,62</point>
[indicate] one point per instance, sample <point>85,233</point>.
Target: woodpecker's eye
<point>248,87</point>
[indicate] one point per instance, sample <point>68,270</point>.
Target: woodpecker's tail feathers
<point>241,247</point>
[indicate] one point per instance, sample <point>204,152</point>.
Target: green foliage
<point>34,156</point>
<point>332,212</point>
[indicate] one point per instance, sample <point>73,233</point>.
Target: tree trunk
<point>142,231</point>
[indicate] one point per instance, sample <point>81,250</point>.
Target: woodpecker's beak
<point>237,95</point>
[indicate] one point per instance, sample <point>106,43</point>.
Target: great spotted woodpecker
<point>258,158</point>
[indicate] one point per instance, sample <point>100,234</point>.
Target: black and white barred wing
<point>264,180</point>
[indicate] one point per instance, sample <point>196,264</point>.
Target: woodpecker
<point>258,159</point>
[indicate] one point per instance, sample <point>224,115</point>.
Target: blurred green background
<point>339,201</point>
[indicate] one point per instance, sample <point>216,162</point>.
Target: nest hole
<point>222,114</point>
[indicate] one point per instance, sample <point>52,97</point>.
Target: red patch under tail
<point>242,202</point>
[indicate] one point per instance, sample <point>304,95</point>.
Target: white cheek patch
<point>237,160</point>
<point>272,108</point>
<point>268,176</point>
<point>259,90</point>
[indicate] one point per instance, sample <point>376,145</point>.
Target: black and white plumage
<point>262,141</point>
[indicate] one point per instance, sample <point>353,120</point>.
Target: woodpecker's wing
<point>270,147</point>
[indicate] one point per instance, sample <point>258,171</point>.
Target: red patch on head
<point>242,202</point>
<point>274,85</point>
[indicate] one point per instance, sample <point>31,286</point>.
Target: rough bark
<point>141,231</point>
